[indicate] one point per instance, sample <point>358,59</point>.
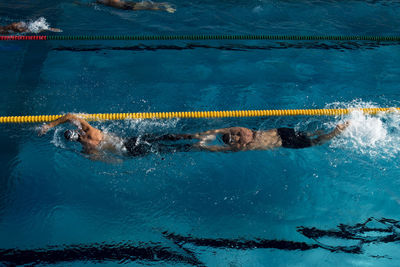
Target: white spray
<point>374,135</point>
<point>38,25</point>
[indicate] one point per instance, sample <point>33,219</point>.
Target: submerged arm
<point>54,30</point>
<point>94,155</point>
<point>211,132</point>
<point>214,148</point>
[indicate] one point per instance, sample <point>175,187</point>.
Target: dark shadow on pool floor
<point>382,231</point>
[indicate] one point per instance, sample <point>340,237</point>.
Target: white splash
<point>375,135</point>
<point>56,140</point>
<point>38,25</point>
<point>150,126</point>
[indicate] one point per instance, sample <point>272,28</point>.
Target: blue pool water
<point>257,208</point>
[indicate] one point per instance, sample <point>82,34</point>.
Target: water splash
<point>129,128</point>
<point>375,135</point>
<point>38,25</point>
<point>145,126</point>
<point>57,138</point>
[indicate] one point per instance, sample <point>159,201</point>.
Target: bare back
<point>90,139</point>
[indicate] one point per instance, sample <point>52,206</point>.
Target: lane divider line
<point>199,114</point>
<point>199,37</point>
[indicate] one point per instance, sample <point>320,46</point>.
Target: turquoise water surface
<point>336,204</point>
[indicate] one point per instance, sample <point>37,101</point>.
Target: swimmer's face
<point>72,135</point>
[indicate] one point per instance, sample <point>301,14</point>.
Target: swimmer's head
<point>230,138</point>
<point>238,137</point>
<point>226,138</point>
<point>72,135</point>
<point>19,27</point>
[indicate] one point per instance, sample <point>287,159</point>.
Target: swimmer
<point>242,139</point>
<point>234,139</point>
<point>95,142</point>
<point>144,5</point>
<point>22,27</point>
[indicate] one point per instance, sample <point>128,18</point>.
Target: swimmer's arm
<point>71,118</point>
<point>96,156</point>
<point>211,132</point>
<point>54,30</point>
<point>214,148</point>
<point>317,132</point>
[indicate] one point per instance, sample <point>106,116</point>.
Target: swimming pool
<point>256,208</point>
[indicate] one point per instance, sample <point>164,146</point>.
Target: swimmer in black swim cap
<point>95,142</point>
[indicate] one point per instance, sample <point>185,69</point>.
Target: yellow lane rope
<point>198,114</point>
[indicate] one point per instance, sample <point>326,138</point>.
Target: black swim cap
<point>226,138</point>
<point>71,135</point>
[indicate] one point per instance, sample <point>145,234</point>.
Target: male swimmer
<point>144,5</point>
<point>23,27</point>
<point>234,139</point>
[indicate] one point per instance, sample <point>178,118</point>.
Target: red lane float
<point>22,38</point>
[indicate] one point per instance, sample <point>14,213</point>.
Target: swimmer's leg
<point>176,137</point>
<point>163,148</point>
<point>136,148</point>
<point>166,137</point>
<point>322,139</point>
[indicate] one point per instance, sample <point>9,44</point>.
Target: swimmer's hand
<point>167,7</point>
<point>170,10</point>
<point>44,129</point>
<point>341,127</point>
<point>55,30</point>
